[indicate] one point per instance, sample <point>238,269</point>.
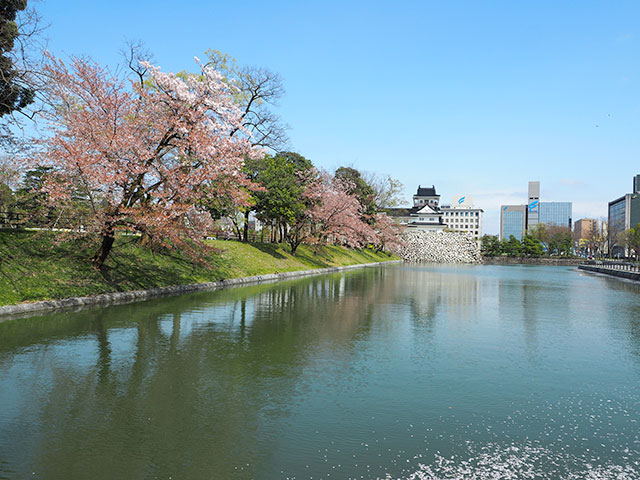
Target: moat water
<point>409,372</point>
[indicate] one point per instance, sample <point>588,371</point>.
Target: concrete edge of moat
<point>624,274</point>
<point>117,298</point>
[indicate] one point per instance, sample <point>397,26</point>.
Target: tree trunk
<point>294,241</point>
<point>105,247</point>
<point>236,227</point>
<point>145,239</point>
<point>246,226</point>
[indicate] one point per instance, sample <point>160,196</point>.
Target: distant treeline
<point>539,241</point>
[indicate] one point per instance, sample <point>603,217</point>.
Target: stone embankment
<point>552,261</point>
<point>620,270</point>
<point>439,247</point>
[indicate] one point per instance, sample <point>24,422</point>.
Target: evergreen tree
<point>532,246</point>
<point>512,247</point>
<point>14,93</point>
<point>491,246</point>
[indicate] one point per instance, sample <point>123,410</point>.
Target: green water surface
<point>412,372</point>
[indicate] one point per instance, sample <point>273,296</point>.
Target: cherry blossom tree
<point>142,152</point>
<point>388,232</point>
<point>337,217</point>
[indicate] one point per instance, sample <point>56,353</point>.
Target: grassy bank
<point>34,266</point>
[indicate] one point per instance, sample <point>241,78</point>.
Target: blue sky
<point>477,98</point>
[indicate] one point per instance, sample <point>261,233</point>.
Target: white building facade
<point>461,216</point>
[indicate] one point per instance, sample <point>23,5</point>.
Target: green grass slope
<point>38,266</point>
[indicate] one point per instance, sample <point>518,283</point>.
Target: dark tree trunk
<point>245,233</point>
<point>105,248</point>
<point>294,241</point>
<point>145,239</point>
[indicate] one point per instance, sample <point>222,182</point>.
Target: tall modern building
<point>624,213</point>
<point>513,221</point>
<point>556,213</point>
<point>517,219</point>
<point>533,213</point>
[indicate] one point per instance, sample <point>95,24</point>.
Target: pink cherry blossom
<point>142,154</point>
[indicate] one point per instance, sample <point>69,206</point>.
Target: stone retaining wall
<point>555,261</point>
<point>22,309</point>
<point>612,272</point>
<point>439,247</point>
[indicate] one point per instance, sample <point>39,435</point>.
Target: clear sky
<point>476,97</point>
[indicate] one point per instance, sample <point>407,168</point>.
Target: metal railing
<point>615,265</point>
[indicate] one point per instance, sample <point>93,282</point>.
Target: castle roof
<point>426,191</point>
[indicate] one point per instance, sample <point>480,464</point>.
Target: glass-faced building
<point>624,213</point>
<point>517,219</point>
<point>513,221</point>
<point>618,214</point>
<point>556,213</point>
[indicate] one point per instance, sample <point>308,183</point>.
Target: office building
<point>624,213</point>
<point>513,221</point>
<point>555,213</point>
<point>521,218</point>
<point>461,216</point>
<point>586,228</point>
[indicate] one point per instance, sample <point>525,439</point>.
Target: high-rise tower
<point>533,214</point>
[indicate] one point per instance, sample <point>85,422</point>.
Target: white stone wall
<point>439,247</point>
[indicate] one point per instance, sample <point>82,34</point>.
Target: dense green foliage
<point>42,265</point>
<point>14,94</point>
<point>538,242</point>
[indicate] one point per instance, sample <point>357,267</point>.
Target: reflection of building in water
<point>452,291</point>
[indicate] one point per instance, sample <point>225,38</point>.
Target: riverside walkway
<point>630,271</point>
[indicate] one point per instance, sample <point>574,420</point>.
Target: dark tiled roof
<point>426,191</point>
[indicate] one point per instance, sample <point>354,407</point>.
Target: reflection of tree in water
<point>191,399</point>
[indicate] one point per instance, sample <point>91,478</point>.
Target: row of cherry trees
<point>164,154</point>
